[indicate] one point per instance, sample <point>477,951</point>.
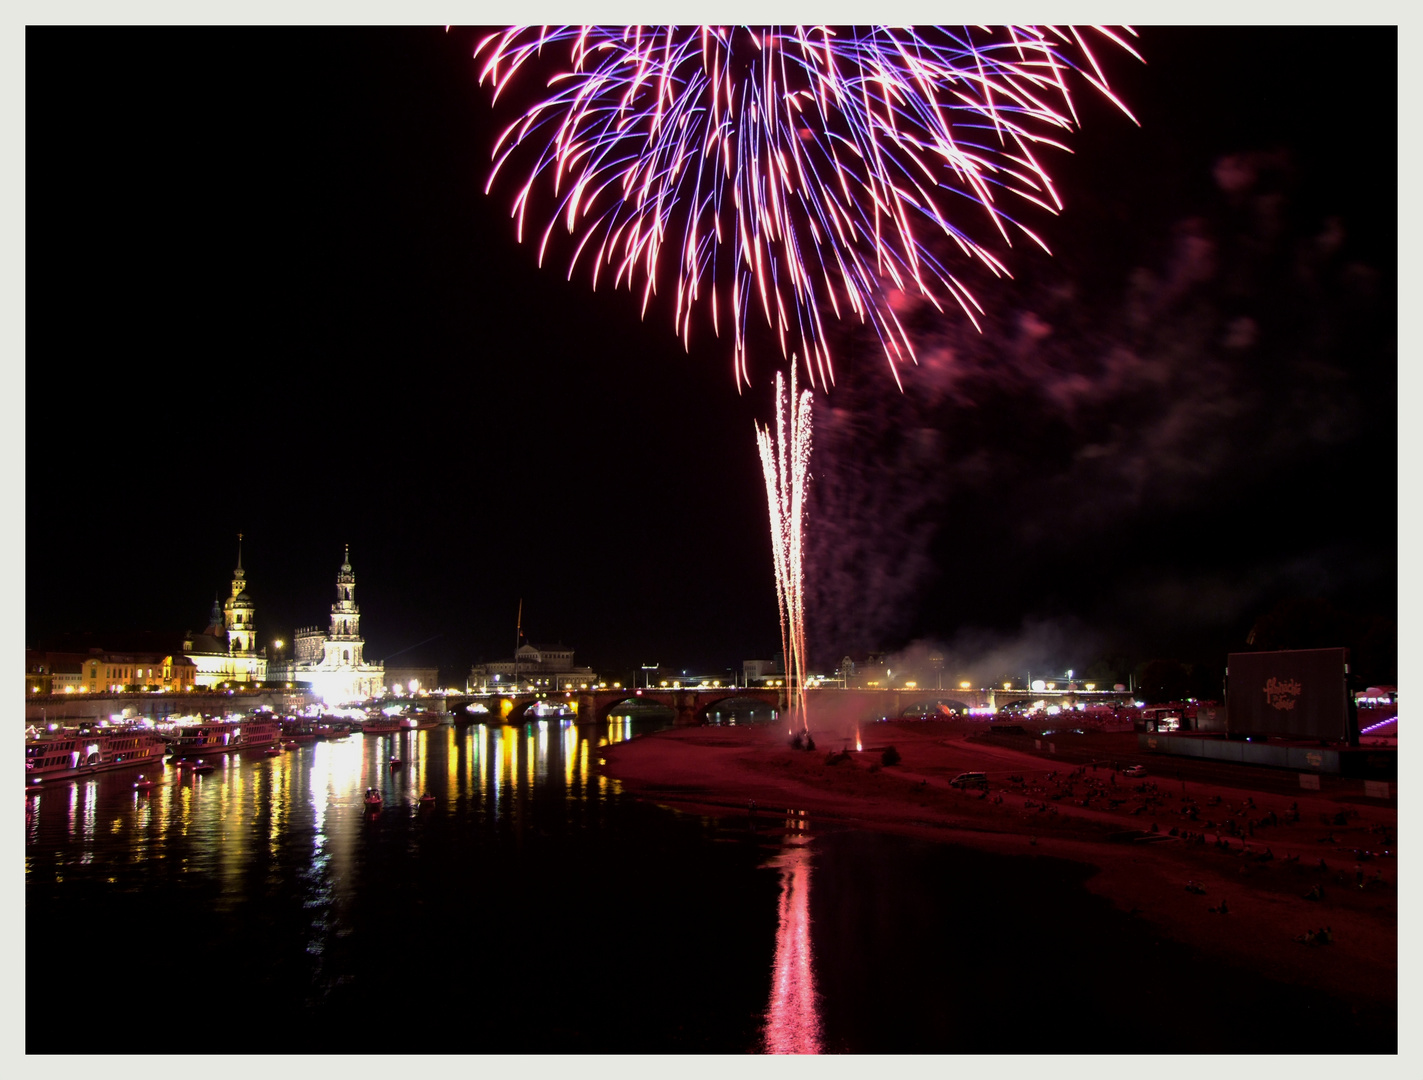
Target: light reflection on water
<point>314,789</point>
<point>274,868</point>
<point>793,1023</point>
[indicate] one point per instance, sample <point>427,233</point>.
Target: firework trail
<point>785,464</point>
<point>794,170</point>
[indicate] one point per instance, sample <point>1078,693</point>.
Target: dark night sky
<point>267,294</point>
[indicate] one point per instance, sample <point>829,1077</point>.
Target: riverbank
<point>1146,839</point>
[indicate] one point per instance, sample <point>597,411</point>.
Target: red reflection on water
<point>792,1022</point>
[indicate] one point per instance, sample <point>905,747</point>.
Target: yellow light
<point>911,684</point>
<point>964,685</point>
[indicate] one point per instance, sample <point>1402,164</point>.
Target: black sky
<point>266,294</point>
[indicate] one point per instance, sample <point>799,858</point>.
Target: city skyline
<point>290,311</point>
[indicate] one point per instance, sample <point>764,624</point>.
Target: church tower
<point>343,643</point>
<point>238,611</point>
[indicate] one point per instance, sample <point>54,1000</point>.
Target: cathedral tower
<point>343,643</point>
<point>238,611</point>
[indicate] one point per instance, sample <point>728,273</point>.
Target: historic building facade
<point>332,663</point>
<point>226,651</point>
<point>541,667</point>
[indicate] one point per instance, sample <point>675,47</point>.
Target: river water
<point>535,907</point>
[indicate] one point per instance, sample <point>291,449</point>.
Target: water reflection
<point>792,1016</point>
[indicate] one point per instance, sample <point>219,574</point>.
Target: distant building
<point>226,651</point>
<point>116,672</point>
<point>756,672</point>
<point>401,679</point>
<point>543,667</point>
<point>332,663</point>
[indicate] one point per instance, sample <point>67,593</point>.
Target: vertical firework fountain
<point>785,463</point>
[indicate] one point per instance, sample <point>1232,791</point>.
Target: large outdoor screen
<point>1299,692</point>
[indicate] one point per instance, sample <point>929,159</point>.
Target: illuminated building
<point>105,671</point>
<point>332,663</point>
<point>399,679</point>
<point>226,651</point>
<point>544,667</point>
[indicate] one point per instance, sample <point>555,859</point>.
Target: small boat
<point>144,784</point>
<point>396,762</point>
<point>372,798</point>
<point>202,768</point>
<point>272,751</point>
<point>426,799</point>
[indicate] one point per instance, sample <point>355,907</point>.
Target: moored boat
<point>223,736</point>
<point>382,726</point>
<point>65,754</point>
<point>372,798</point>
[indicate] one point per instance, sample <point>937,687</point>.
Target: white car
<point>1135,770</point>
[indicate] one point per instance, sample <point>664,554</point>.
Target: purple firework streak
<point>797,171</point>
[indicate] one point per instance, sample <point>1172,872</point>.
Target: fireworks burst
<point>785,464</point>
<point>796,170</point>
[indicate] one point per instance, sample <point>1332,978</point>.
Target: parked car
<point>1135,770</point>
<point>970,779</point>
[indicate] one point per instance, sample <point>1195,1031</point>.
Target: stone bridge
<point>691,704</point>
<point>893,703</point>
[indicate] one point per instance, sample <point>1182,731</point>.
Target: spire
<point>346,561</point>
<point>239,553</point>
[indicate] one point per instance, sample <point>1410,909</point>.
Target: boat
<point>273,751</point>
<point>396,762</point>
<point>426,799</point>
<point>144,784</point>
<point>65,754</point>
<point>372,798</point>
<point>382,726</point>
<point>223,736</point>
<point>202,768</point>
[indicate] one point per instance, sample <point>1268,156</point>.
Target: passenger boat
<point>70,753</point>
<point>222,736</point>
<point>383,726</point>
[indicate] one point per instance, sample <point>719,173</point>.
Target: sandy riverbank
<point>1086,817</point>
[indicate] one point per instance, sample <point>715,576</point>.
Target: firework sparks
<point>785,464</point>
<point>794,170</point>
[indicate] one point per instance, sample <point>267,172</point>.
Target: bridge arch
<point>760,701</point>
<point>603,709</point>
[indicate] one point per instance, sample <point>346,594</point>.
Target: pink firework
<point>795,171</point>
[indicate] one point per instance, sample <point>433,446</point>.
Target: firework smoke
<point>785,464</point>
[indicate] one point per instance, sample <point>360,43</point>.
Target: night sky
<point>267,294</point>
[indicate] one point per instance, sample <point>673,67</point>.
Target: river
<point>533,906</point>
